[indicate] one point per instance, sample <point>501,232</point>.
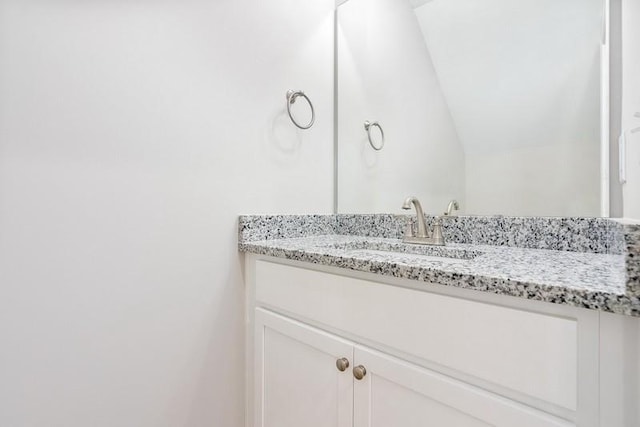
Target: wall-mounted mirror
<point>500,104</point>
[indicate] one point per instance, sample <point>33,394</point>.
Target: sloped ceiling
<point>523,72</point>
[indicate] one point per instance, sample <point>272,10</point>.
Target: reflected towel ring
<point>292,95</point>
<point>367,126</point>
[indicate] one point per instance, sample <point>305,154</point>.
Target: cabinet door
<point>298,382</point>
<point>396,393</point>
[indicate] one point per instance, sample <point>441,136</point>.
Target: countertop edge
<point>623,304</point>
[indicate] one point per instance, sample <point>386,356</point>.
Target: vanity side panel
<point>531,353</point>
<point>249,272</point>
<point>619,371</point>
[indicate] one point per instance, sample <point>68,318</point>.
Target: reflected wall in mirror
<point>495,103</point>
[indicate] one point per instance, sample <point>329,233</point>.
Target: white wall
<point>132,133</point>
<point>522,81</point>
<point>530,180</point>
<point>386,75</point>
<point>631,104</point>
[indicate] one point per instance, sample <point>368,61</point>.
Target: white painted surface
<point>533,181</point>
<point>397,393</point>
<point>131,136</point>
<point>631,104</point>
<point>298,381</point>
<point>500,345</point>
<point>386,75</point>
<point>619,370</point>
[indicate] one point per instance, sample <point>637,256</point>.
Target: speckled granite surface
<point>573,265</point>
<point>595,235</point>
<point>263,227</point>
<point>632,259</point>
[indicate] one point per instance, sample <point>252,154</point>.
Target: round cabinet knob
<point>359,372</point>
<point>342,364</point>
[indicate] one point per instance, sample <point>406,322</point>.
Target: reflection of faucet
<point>452,205</point>
<point>422,237</point>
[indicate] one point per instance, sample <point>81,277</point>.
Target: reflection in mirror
<point>494,103</point>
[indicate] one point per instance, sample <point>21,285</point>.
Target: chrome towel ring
<point>367,126</point>
<point>292,95</point>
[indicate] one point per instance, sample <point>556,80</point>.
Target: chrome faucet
<point>422,237</point>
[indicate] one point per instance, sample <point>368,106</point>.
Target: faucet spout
<point>422,226</point>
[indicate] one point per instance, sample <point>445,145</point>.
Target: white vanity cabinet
<point>424,355</point>
<point>306,377</point>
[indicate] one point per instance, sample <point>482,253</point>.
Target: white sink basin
<point>404,255</point>
<point>406,250</point>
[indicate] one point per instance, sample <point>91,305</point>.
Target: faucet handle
<point>437,237</point>
<point>408,231</point>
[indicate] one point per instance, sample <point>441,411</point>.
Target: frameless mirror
<point>499,104</point>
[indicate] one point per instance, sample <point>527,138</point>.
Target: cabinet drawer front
<point>530,353</point>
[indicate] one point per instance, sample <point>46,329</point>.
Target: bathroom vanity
<point>347,329</point>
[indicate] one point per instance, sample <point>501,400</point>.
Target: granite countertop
<point>598,281</point>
